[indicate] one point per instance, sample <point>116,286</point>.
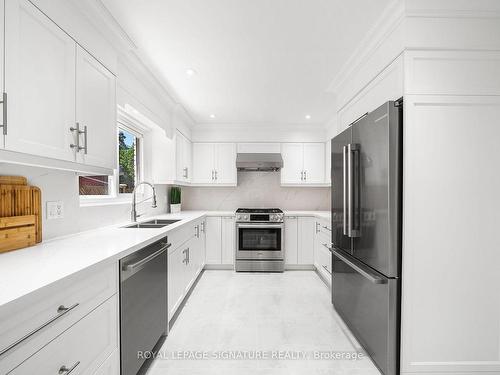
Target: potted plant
<point>175,199</point>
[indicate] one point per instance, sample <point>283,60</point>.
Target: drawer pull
<point>65,370</point>
<point>326,269</point>
<point>61,311</point>
<point>324,226</point>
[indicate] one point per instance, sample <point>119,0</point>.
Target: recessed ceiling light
<point>308,117</point>
<point>212,116</point>
<point>190,73</point>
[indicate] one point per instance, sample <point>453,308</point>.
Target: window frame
<point>127,123</point>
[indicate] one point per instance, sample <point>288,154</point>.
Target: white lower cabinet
<point>185,262</point>
<point>220,240</point>
<point>299,240</point>
<point>213,233</point>
<point>228,239</point>
<point>291,240</point>
<point>322,254</point>
<point>83,347</point>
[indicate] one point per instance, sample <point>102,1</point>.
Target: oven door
<point>259,241</point>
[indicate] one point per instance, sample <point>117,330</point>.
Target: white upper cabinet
<point>303,163</point>
<point>293,163</point>
<point>214,163</point>
<point>203,163</point>
<point>225,163</point>
<point>39,82</point>
<point>95,111</point>
<point>2,90</point>
<point>183,157</point>
<point>314,163</point>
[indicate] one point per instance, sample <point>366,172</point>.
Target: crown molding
<point>129,54</point>
<point>263,126</point>
<point>392,16</point>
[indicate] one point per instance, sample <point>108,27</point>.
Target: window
<point>126,174</point>
<point>128,166</point>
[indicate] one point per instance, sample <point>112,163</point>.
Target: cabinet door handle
<point>216,175</point>
<point>65,370</point>
<point>305,175</point>
<point>213,175</point>
<point>84,148</point>
<point>4,104</point>
<point>317,227</point>
<point>185,174</point>
<point>77,130</point>
<point>61,311</point>
<point>301,175</point>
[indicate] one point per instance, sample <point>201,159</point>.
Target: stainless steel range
<point>259,240</point>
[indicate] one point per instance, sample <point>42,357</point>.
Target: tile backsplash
<point>256,189</point>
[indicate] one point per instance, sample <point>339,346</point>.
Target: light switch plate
<point>55,210</point>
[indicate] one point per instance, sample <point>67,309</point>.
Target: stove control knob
<point>245,217</point>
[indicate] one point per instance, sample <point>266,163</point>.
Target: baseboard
<point>219,267</point>
<point>299,267</point>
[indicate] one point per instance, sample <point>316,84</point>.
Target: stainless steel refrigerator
<point>366,231</point>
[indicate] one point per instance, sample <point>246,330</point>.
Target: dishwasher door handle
<point>149,258</point>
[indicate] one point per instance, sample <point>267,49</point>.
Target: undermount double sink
<point>157,223</point>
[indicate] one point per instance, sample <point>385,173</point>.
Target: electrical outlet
<point>55,210</point>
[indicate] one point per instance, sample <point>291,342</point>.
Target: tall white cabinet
<point>40,83</point>
<point>303,163</point>
<point>183,158</point>
<point>95,111</point>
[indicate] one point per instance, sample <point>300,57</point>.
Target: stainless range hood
<point>265,162</point>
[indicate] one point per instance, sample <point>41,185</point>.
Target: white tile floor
<point>253,313</point>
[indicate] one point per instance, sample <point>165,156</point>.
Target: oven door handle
<point>257,225</point>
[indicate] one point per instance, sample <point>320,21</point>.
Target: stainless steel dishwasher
<point>143,304</point>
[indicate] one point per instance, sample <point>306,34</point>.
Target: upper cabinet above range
<point>214,163</point>
<point>60,108</point>
<point>303,164</point>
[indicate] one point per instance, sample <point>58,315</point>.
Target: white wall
<point>256,189</point>
<point>63,186</point>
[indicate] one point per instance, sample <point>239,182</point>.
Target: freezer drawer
<point>368,302</point>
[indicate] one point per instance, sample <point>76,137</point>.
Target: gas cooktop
<point>259,210</point>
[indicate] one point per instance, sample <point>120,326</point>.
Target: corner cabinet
<point>303,164</point>
<point>214,163</point>
<point>54,90</point>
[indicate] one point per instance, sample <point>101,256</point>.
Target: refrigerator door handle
<point>344,206</point>
<point>359,267</point>
<point>353,190</point>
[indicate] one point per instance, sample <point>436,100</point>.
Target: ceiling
<point>256,61</point>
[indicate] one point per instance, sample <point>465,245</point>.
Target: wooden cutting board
<point>20,213</point>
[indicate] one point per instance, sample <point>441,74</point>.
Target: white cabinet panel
<point>183,156</point>
<point>111,366</point>
<point>2,19</point>
<point>96,109</point>
<point>314,163</point>
<point>293,163</point>
<point>213,228</point>
<point>40,83</point>
<point>214,163</point>
<point>176,269</point>
<point>450,257</point>
<point>228,239</point>
<point>291,240</point>
<point>162,157</point>
<point>86,345</point>
<point>328,161</point>
<point>203,162</point>
<point>305,240</point>
<point>225,163</point>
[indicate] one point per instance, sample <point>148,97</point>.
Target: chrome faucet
<point>133,214</point>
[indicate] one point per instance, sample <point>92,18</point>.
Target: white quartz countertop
<point>27,270</point>
<point>324,215</point>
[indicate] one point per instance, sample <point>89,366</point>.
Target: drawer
<point>325,259</point>
<point>38,317</point>
<point>180,235</point>
<point>84,346</point>
<point>111,366</point>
